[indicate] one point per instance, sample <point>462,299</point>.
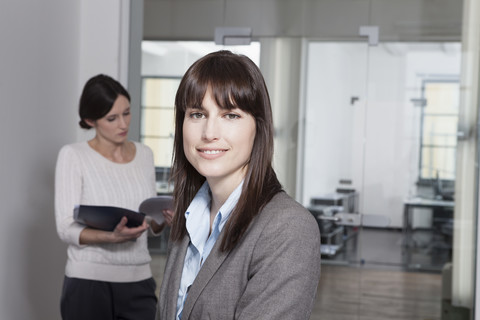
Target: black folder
<point>106,217</point>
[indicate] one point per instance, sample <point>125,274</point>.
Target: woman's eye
<point>196,115</point>
<point>126,113</point>
<point>232,116</point>
<point>111,119</point>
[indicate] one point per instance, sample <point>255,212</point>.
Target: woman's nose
<point>123,122</point>
<point>211,130</point>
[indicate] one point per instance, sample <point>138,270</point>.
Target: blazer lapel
<point>210,266</point>
<point>174,285</point>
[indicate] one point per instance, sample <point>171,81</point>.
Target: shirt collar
<point>198,213</point>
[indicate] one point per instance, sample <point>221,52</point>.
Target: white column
<point>280,63</point>
<point>466,194</point>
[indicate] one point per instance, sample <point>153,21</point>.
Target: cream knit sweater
<point>83,176</point>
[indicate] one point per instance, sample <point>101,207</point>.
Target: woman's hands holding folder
<point>121,233</point>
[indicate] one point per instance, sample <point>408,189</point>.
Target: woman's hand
<point>168,216</point>
<point>122,233</point>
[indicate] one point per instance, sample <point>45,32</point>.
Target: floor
<point>373,278</point>
<point>347,293</point>
<point>382,248</point>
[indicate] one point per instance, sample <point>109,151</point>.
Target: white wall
<point>47,49</point>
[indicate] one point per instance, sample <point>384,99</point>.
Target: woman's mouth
<point>212,151</point>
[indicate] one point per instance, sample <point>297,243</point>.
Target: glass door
<point>333,174</point>
<point>379,173</point>
<point>334,142</point>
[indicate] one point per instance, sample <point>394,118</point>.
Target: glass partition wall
<point>380,135</point>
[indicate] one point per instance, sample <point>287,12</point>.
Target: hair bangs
<point>233,94</point>
<point>229,80</point>
<point>191,95</point>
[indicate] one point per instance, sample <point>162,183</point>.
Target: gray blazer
<point>272,273</point>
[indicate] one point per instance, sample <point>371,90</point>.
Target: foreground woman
<point>240,247</point>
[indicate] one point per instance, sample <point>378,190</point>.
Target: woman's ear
<point>91,123</point>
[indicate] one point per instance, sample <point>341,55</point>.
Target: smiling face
<point>218,142</point>
<point>113,127</point>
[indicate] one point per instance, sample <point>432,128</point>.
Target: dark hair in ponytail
<point>97,99</point>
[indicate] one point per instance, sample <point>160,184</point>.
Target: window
<point>157,129</point>
<point>439,130</point>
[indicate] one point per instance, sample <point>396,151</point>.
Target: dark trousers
<point>91,300</point>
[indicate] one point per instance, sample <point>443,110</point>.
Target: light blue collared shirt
<point>198,227</point>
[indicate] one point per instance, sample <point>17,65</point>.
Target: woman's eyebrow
<point>197,107</point>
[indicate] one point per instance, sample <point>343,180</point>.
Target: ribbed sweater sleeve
<point>68,190</point>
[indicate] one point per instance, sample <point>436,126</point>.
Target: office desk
<point>410,204</point>
<point>333,232</point>
<point>408,209</point>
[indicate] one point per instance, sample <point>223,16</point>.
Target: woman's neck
<point>220,191</point>
<point>119,153</point>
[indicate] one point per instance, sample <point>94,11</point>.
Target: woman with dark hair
<point>108,274</point>
<point>266,262</point>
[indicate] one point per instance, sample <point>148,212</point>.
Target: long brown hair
<point>236,82</point>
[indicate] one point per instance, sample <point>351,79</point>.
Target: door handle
<point>349,219</point>
<point>461,136</point>
<point>356,219</point>
<point>329,218</point>
<point>344,219</point>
